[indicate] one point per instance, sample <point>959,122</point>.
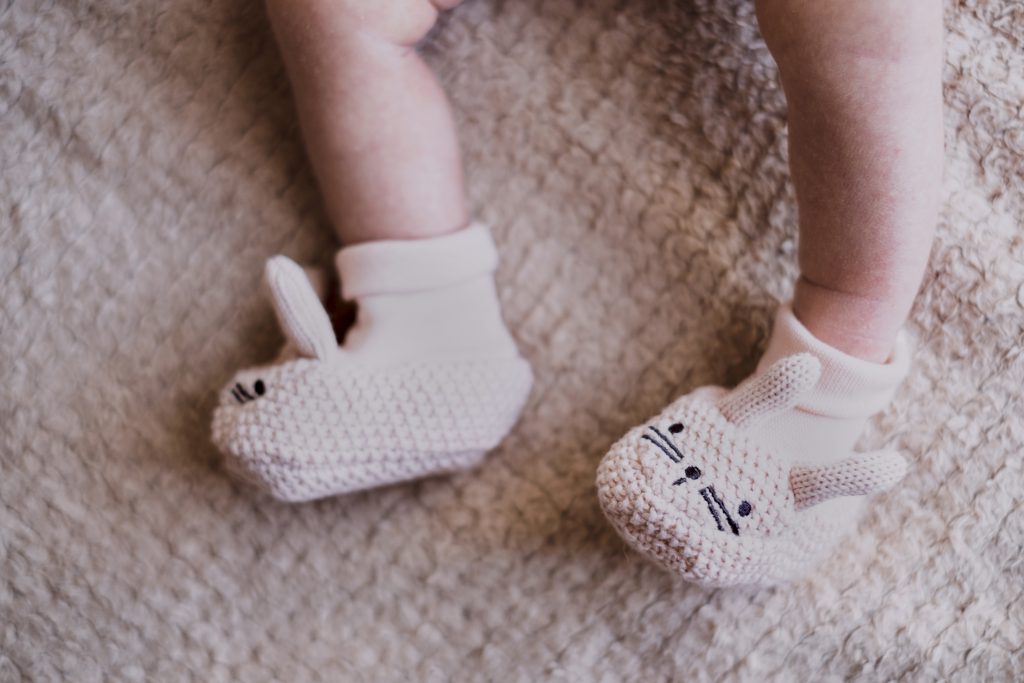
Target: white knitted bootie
<point>756,485</point>
<point>428,379</point>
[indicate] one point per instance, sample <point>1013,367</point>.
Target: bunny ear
<point>299,311</point>
<point>778,388</point>
<point>858,475</point>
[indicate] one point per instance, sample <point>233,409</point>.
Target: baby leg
<point>759,484</point>
<point>863,84</point>
<point>376,123</point>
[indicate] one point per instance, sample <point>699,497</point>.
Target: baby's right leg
<point>428,378</point>
<point>376,123</point>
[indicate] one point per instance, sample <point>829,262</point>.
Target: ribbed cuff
<point>394,266</point>
<point>849,386</point>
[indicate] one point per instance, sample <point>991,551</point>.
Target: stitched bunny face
<point>694,492</point>
<point>275,399</point>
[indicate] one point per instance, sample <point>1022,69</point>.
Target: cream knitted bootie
<point>428,379</point>
<point>755,485</point>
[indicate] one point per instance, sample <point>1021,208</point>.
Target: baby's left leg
<point>731,487</point>
<point>864,90</point>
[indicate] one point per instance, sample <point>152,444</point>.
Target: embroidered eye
<point>692,472</point>
<point>744,509</point>
<point>676,428</point>
<point>242,394</point>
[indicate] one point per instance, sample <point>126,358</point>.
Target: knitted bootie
<point>749,486</point>
<point>428,379</point>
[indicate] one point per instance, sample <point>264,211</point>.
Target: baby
<point>750,486</point>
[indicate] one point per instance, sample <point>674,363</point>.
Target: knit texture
<point>690,490</point>
<point>304,317</point>
<point>630,158</point>
<point>774,392</point>
<point>322,429</point>
<point>858,476</point>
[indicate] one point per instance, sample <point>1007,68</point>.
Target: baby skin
<point>863,85</point>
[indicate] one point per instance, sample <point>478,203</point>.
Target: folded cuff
<point>849,386</point>
<point>394,266</point>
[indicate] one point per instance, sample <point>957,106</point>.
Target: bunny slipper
<point>428,379</point>
<point>755,485</point>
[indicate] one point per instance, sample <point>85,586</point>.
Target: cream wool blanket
<point>631,158</point>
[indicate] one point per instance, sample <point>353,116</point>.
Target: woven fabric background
<point>631,159</point>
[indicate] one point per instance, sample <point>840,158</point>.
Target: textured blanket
<point>631,159</point>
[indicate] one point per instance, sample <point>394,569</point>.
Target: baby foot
<point>703,489</point>
<point>397,402</point>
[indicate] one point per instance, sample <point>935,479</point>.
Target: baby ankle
<point>859,325</point>
<point>431,298</point>
<point>458,321</point>
<point>828,420</point>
